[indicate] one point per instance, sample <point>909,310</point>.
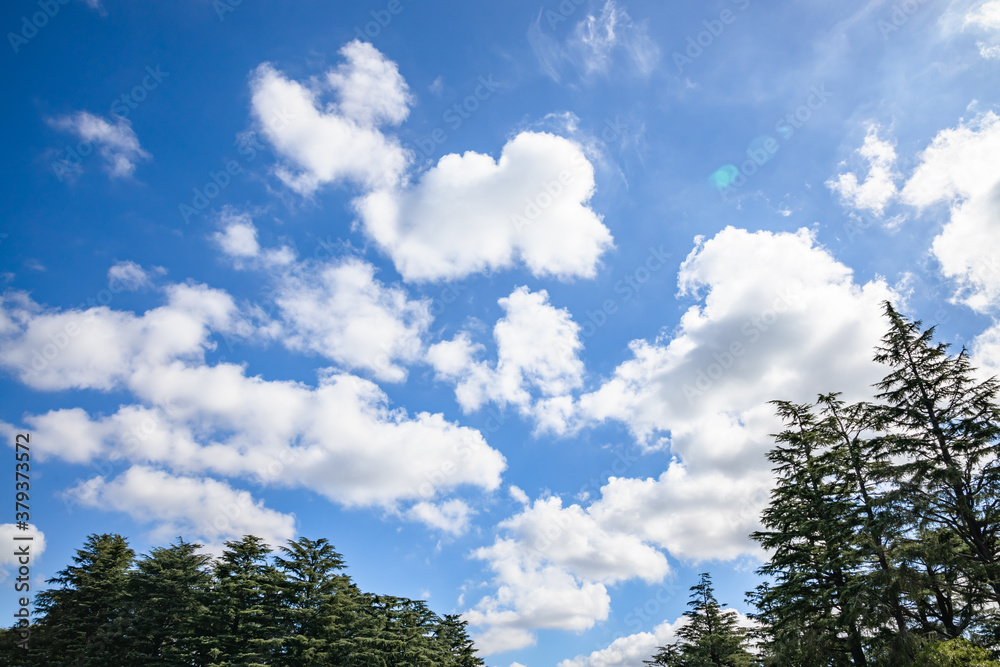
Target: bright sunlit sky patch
<point>491,295</point>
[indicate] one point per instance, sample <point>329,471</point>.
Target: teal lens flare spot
<point>724,176</point>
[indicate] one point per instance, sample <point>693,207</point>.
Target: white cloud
<point>959,167</point>
<point>879,186</point>
<point>343,313</point>
<point>549,556</point>
<point>239,236</point>
<point>468,213</point>
<point>196,508</point>
<point>518,494</point>
<point>986,351</point>
<point>452,516</point>
<point>130,276</point>
<point>471,213</point>
<point>340,438</point>
<point>985,15</point>
<point>332,142</point>
<point>538,349</point>
<point>571,538</point>
<point>531,594</point>
<point>98,348</point>
<point>116,142</point>
<point>594,43</point>
<point>238,241</point>
<point>631,650</point>
<point>781,320</point>
<point>10,547</point>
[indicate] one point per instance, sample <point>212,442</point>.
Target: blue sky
<point>491,295</point>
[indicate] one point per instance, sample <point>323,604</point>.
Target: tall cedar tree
<point>814,606</point>
<point>169,593</point>
<point>84,621</point>
<point>883,525</point>
<point>318,605</point>
<point>944,426</point>
<point>452,634</point>
<point>246,605</point>
<point>710,637</point>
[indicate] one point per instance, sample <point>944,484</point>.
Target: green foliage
<point>177,607</point>
<point>169,599</point>
<point>884,524</point>
<point>954,653</point>
<point>84,620</point>
<point>710,636</point>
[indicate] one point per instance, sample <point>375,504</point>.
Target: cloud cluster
<point>985,18</point>
<point>779,318</point>
<point>879,186</point>
<point>959,169</point>
<point>468,213</point>
<point>538,348</point>
<point>116,142</point>
<point>597,43</point>
<point>334,141</point>
<point>339,438</point>
<point>631,650</point>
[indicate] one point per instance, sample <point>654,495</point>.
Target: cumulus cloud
<point>9,545</point>
<point>115,142</point>
<point>532,594</point>
<point>985,18</point>
<point>452,516</point>
<point>471,213</point>
<point>781,319</point>
<point>98,348</point>
<point>548,555</point>
<point>130,276</point>
<point>538,348</point>
<point>631,650</point>
<point>238,241</point>
<point>986,351</point>
<point>342,312</point>
<point>468,213</point>
<point>238,238</point>
<point>339,438</point>
<point>201,508</point>
<point>959,168</point>
<point>340,140</point>
<point>594,44</point>
<point>879,186</point>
